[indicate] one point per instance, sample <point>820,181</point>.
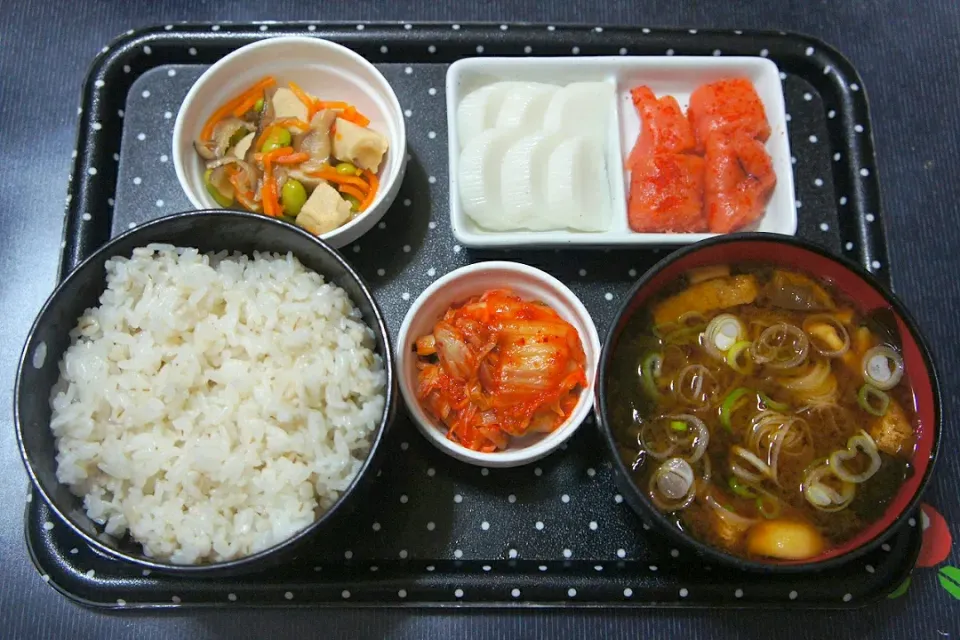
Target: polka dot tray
<point>440,532</point>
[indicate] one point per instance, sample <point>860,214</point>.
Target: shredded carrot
<point>271,204</point>
<point>292,122</point>
<point>293,158</point>
<point>227,108</point>
<point>350,114</point>
<point>247,105</point>
<point>372,193</point>
<point>331,104</point>
<point>331,175</point>
<point>245,198</point>
<point>352,191</point>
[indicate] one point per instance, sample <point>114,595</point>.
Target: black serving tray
<point>438,532</point>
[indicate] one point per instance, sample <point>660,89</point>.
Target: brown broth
<point>829,426</point>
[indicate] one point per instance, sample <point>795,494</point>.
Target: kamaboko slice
<point>578,194</point>
<point>523,182</point>
<point>525,105</point>
<point>478,111</point>
<point>479,178</point>
<point>584,107</point>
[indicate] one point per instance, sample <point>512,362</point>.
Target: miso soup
<point>762,411</point>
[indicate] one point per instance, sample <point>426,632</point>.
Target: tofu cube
<point>286,104</point>
<point>362,146</point>
<point>323,211</point>
<point>893,432</point>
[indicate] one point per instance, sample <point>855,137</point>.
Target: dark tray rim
<point>863,194</point>
<point>136,608</point>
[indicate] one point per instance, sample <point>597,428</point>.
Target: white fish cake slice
<point>478,111</point>
<point>479,178</point>
<point>525,105</point>
<point>523,182</point>
<point>577,189</point>
<point>581,107</point>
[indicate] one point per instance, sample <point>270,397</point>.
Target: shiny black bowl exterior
<point>211,230</point>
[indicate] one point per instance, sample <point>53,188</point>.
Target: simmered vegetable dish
<point>285,153</point>
<point>763,411</point>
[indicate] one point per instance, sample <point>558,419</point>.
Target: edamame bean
<point>346,169</point>
<point>258,105</point>
<point>277,139</point>
<point>354,203</point>
<point>221,199</point>
<point>292,197</point>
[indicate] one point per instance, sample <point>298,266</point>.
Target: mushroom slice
<point>223,138</point>
<point>316,141</point>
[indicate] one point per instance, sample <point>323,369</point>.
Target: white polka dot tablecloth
<point>433,530</point>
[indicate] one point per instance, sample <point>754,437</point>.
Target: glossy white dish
<point>678,76</point>
<point>322,68</point>
<point>472,280</point>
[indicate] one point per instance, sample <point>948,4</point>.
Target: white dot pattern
<point>155,136</point>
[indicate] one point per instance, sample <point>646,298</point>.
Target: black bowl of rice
<point>205,392</point>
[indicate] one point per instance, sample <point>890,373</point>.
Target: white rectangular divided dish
<point>677,76</point>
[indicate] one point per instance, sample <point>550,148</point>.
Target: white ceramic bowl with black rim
<point>457,287</point>
<point>321,68</point>
<point>49,338</point>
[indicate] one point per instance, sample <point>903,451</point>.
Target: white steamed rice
<point>214,405</point>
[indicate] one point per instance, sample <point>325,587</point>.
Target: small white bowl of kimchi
<point>497,363</point>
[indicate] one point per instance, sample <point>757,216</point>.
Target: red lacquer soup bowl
<point>871,297</point>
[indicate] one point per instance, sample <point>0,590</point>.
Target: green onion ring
<point>733,357</point>
<point>649,370</point>
<point>740,489</point>
<point>770,403</point>
<point>730,405</point>
<point>867,394</point>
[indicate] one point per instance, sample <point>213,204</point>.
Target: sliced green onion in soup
<point>729,515</point>
<point>768,506</point>
<point>873,400</point>
<point>781,346</point>
<point>722,333</point>
<point>738,363</point>
<point>748,467</point>
<point>741,489</point>
<point>697,386</point>
<point>661,330</point>
<point>697,445</point>
<point>860,442</point>
<point>683,335</point>
<point>770,403</point>
<point>882,367</point>
<point>730,404</point>
<point>824,490</point>
<point>649,372</point>
<point>672,486</point>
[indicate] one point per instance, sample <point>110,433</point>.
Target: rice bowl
<point>214,405</point>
